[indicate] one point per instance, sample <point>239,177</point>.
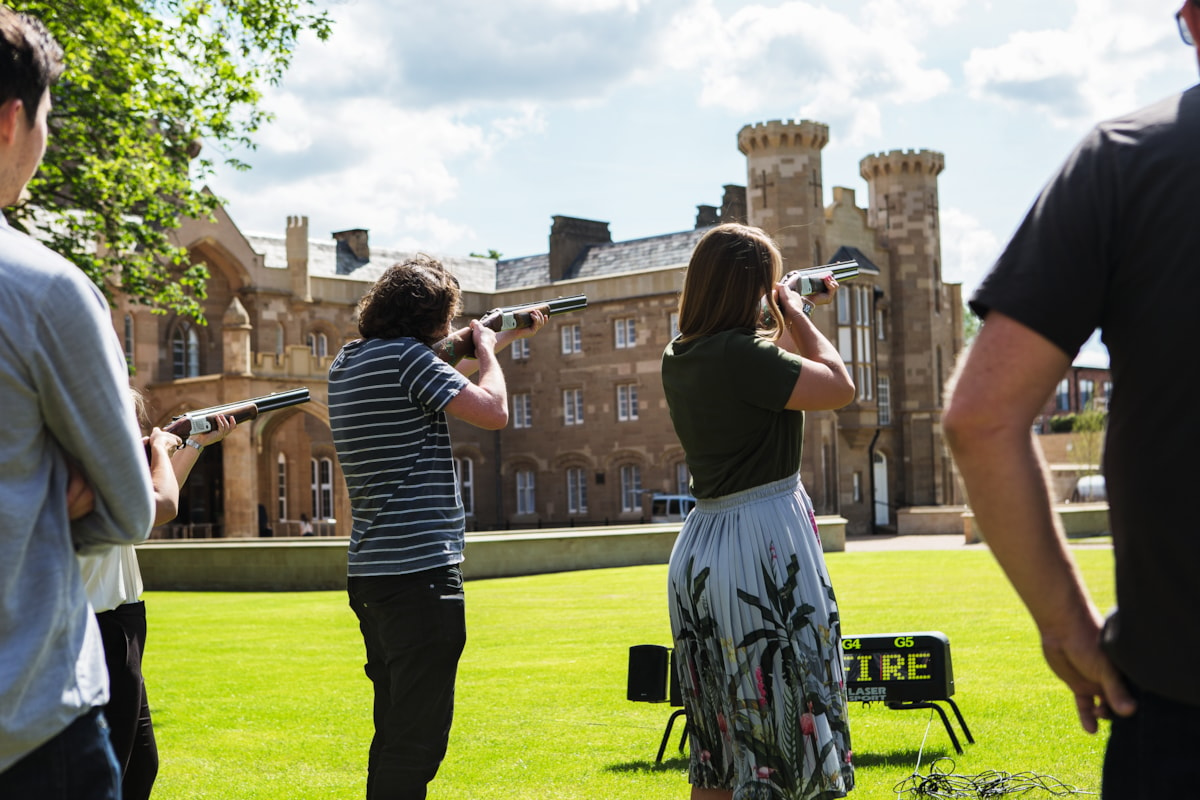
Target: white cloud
<point>811,58</point>
<point>1093,69</point>
<point>968,249</point>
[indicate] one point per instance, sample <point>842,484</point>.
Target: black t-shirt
<point>1113,242</point>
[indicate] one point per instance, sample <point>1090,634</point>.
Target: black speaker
<point>648,668</point>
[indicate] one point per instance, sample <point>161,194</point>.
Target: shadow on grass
<point>649,765</point>
<point>901,759</point>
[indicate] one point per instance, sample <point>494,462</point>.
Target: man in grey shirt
<point>73,473</point>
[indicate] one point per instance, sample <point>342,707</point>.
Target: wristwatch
<point>806,308</point>
<point>193,443</point>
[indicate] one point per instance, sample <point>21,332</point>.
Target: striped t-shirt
<point>386,401</point>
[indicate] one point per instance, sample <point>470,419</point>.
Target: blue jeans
<point>414,629</point>
<point>1152,755</point>
<point>77,764</point>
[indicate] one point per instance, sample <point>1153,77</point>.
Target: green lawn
<point>263,695</point>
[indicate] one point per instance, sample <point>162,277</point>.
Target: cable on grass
<point>941,782</point>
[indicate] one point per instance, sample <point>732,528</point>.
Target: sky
<point>463,126</point>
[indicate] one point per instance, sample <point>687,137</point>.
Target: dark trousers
<point>123,630</point>
<point>77,764</point>
<point>414,629</point>
<point>1153,754</point>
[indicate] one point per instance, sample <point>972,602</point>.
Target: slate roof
<point>845,253</point>
<point>603,259</point>
<point>330,258</point>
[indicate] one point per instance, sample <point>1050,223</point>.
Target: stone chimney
<point>297,257</point>
<point>707,216</point>
<point>733,204</point>
<point>353,250</point>
<point>569,237</point>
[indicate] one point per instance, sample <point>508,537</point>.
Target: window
<point>879,324</point>
<point>522,413</point>
<point>631,487</point>
<point>129,339</point>
<point>281,486</point>
<point>854,339</point>
<point>279,338</point>
<point>318,344</point>
<point>322,488</point>
<point>464,473</point>
<point>1087,393</point>
<point>572,406</point>
<point>885,400</point>
<point>576,490</point>
<point>674,324</point>
<point>525,495</point>
<point>1062,396</point>
<point>856,487</point>
<point>520,349</point>
<point>683,483</point>
<point>627,402</point>
<point>625,332</point>
<point>572,339</point>
<point>185,352</point>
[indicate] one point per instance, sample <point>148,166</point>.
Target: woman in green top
<point>755,622</point>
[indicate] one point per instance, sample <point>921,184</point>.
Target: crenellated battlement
<point>764,137</point>
<point>902,162</point>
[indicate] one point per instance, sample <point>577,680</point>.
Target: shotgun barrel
<point>461,343</point>
<point>203,420</point>
<point>809,281</point>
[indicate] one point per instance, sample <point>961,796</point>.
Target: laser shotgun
<point>461,344</point>
<point>204,419</point>
<point>809,281</point>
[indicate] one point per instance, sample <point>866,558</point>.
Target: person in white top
<point>114,587</point>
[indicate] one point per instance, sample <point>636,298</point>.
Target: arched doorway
<point>880,475</point>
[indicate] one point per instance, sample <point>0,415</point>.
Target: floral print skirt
<point>758,648</point>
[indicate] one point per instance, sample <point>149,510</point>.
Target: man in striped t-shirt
<point>389,395</point>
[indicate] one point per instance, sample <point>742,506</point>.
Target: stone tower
<point>784,197</point>
<point>784,194</point>
<point>925,320</point>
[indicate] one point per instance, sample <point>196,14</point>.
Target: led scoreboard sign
<point>905,670</point>
<point>898,667</point>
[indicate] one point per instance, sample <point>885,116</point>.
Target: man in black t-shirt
<point>1113,242</point>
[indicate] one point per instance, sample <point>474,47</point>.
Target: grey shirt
<point>65,391</point>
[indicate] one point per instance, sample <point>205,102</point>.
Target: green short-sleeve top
<point>726,394</point>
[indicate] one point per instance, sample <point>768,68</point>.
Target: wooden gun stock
<point>461,343</point>
<point>205,419</point>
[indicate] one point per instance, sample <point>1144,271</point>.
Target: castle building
<point>590,437</point>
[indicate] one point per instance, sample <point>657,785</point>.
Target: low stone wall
<point>311,563</point>
<point>1079,520</point>
<point>927,520</point>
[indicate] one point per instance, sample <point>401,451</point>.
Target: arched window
<point>631,487</point>
<point>322,488</point>
<point>318,344</point>
<point>279,339</point>
<point>281,485</point>
<point>185,352</point>
<point>128,339</point>
<point>526,491</point>
<point>576,490</point>
<point>464,472</point>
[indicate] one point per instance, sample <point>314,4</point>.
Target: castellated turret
<point>783,186</point>
<point>903,210</point>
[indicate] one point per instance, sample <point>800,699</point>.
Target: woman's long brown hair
<point>733,268</point>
